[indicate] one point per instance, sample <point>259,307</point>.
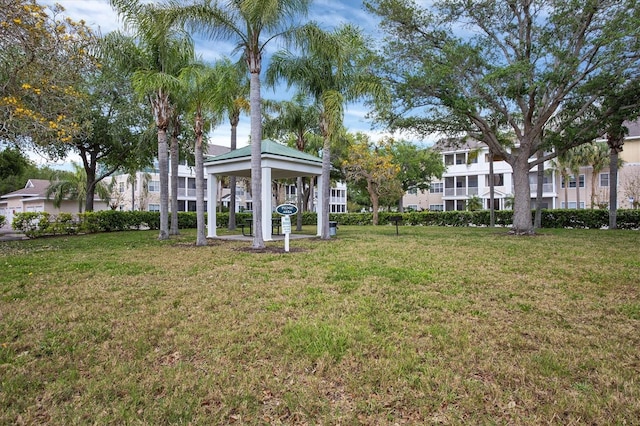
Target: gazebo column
<point>319,206</point>
<point>266,204</point>
<point>212,202</point>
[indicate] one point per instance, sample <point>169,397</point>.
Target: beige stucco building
<point>33,198</point>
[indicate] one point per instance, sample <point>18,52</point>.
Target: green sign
<point>286,209</point>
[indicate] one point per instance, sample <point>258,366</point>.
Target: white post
<point>212,202</point>
<point>286,229</point>
<point>266,204</point>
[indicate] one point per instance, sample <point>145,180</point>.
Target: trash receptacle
<point>333,227</point>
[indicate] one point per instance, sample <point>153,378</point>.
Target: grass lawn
<point>434,326</point>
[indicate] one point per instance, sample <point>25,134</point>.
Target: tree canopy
<point>43,59</point>
<point>481,67</point>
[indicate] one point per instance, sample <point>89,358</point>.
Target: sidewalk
<point>8,234</point>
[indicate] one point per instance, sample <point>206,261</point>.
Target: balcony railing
<point>547,187</point>
<point>186,192</point>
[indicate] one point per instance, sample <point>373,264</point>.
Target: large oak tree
<point>464,66</point>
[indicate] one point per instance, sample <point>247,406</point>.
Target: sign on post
<point>286,210</point>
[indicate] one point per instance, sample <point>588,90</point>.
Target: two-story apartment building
<point>142,190</point>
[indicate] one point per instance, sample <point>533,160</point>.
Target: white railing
<point>547,187</point>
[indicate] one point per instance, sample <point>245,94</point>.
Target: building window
<point>436,207</point>
<point>461,158</point>
<point>413,191</point>
<point>448,160</point>
<point>121,187</point>
<point>498,179</point>
<point>154,207</point>
<point>572,181</point>
<point>436,188</point>
<point>604,179</point>
<point>154,186</point>
<point>572,205</point>
<point>412,207</point>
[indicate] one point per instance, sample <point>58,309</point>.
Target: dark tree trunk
<point>537,222</point>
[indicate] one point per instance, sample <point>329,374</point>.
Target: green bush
<point>32,224</point>
<point>38,224</point>
<point>62,224</point>
<point>3,220</point>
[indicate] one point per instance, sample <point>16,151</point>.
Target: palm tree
<point>73,186</point>
<point>163,52</point>
<point>577,159</point>
<point>596,156</point>
<point>202,85</point>
<point>333,71</point>
<point>234,100</point>
<point>560,165</point>
<point>297,119</point>
<point>252,24</point>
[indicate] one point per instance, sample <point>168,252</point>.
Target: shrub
<point>3,220</point>
<point>32,224</point>
<point>42,223</point>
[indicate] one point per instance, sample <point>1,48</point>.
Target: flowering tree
<point>373,166</point>
<point>42,62</point>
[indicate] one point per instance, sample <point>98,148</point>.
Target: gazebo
<point>278,162</point>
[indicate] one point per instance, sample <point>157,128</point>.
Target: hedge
<point>42,223</point>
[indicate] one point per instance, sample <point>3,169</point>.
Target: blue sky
<point>98,14</point>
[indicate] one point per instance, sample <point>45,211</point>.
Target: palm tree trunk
<point>323,216</point>
<point>162,111</point>
<point>232,179</point>
<point>163,166</point>
<point>256,149</point>
<point>133,192</point>
<point>201,239</point>
<point>566,190</point>
<point>593,189</point>
<point>174,182</point>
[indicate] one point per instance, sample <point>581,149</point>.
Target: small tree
<point>418,166</point>
<point>474,203</point>
<point>373,165</point>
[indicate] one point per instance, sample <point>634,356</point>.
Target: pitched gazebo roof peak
<point>268,147</point>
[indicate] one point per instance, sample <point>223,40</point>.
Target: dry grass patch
<point>436,325</point>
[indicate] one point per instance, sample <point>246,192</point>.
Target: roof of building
<point>33,188</point>
<point>634,128</point>
<point>268,147</point>
<point>457,144</point>
<point>215,150</point>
